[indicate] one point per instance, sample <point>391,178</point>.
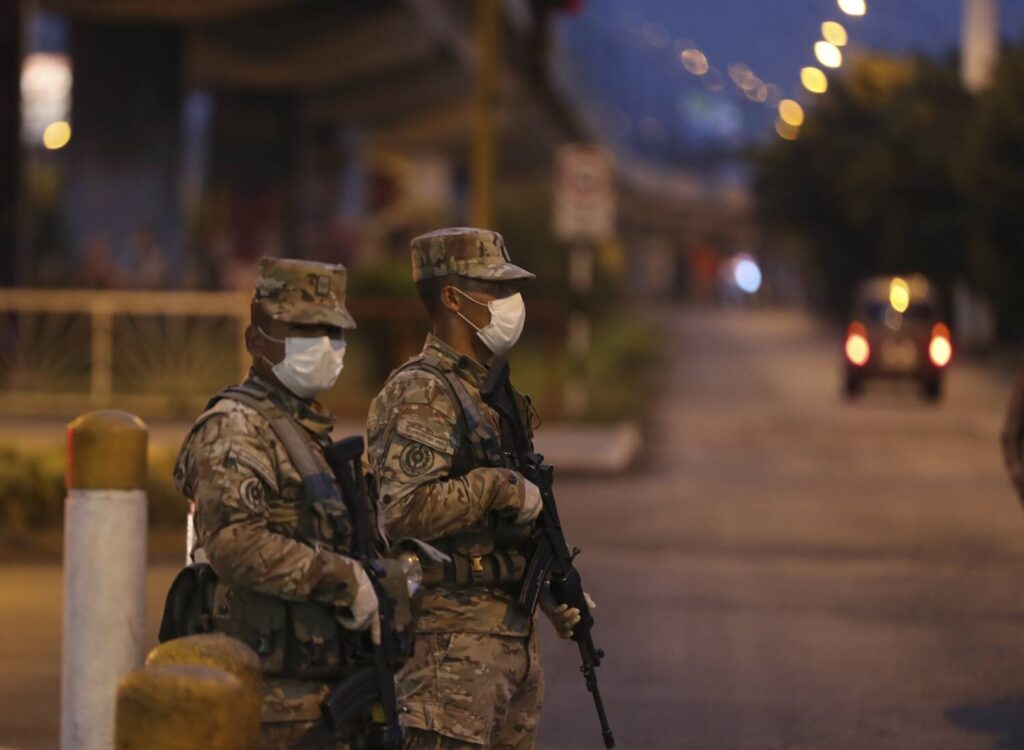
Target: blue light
<point>747,275</point>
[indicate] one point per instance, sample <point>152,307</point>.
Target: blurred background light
<point>791,113</point>
<point>694,61</point>
<point>786,131</point>
<point>814,80</point>
<point>56,135</point>
<point>899,295</point>
<point>828,54</point>
<point>45,93</point>
<point>853,7</point>
<point>656,34</point>
<point>746,273</point>
<point>758,92</point>
<point>834,33</point>
<point>893,319</point>
<point>742,75</point>
<point>858,351</point>
<point>940,351</point>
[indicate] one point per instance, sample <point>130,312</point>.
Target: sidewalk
<point>574,449</point>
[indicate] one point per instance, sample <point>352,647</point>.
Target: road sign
<point>584,194</point>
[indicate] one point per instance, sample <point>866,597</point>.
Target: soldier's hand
<point>562,616</point>
<point>531,506</point>
<point>364,607</point>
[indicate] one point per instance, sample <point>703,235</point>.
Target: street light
<point>694,61</point>
<point>56,135</point>
<point>828,54</point>
<point>791,113</point>
<point>786,131</point>
<point>835,33</point>
<point>853,7</point>
<point>814,80</point>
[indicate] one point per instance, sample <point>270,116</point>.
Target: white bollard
<point>104,572</point>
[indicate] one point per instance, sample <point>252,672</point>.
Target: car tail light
<point>858,350</point>
<point>940,350</point>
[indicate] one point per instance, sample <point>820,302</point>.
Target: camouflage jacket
<point>252,523</point>
<point>415,436</point>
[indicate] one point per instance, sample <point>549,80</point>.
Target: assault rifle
<point>552,560</point>
<point>374,686</point>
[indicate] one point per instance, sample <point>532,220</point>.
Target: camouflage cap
<point>463,251</point>
<point>303,291</point>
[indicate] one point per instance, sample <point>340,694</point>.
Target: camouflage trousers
<point>294,735</point>
<point>472,691</point>
<point>291,709</point>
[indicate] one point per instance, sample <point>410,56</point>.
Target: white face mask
<point>310,365</point>
<point>508,316</point>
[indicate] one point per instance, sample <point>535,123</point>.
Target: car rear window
<point>875,312</point>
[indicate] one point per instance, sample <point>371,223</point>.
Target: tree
<point>994,194</point>
<point>873,183</point>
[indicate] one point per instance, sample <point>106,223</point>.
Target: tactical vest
<point>300,640</point>
<point>499,554</point>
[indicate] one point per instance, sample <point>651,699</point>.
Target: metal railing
<point>162,353</point>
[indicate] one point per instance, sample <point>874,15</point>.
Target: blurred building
<point>205,133</point>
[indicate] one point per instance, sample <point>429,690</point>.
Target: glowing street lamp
<point>814,80</point>
<point>786,131</point>
<point>853,7</point>
<point>791,113</point>
<point>828,54</point>
<point>834,33</point>
<point>694,61</point>
<point>57,135</point>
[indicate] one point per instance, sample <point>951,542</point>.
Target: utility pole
<point>485,100</point>
<point>979,49</point>
<point>10,141</point>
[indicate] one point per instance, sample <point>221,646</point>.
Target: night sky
<point>629,70</point>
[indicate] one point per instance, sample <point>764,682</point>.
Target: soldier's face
<point>277,331</point>
<point>481,292</point>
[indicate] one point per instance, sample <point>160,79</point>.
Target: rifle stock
<point>345,460</point>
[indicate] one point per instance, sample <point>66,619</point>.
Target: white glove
<point>364,607</point>
<point>562,616</point>
<point>531,506</point>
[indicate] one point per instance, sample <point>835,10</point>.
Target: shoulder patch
<point>420,434</point>
<point>259,465</point>
<point>416,459</point>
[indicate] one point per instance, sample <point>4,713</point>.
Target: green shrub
<point>32,488</point>
<point>624,353</point>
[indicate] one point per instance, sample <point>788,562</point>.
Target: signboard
<point>584,194</point>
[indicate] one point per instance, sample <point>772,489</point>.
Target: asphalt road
<point>796,572</point>
<point>785,570</point>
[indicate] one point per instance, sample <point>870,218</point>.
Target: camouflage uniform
<point>475,677</point>
<point>280,558</point>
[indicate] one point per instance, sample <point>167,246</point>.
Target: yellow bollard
<point>104,572</point>
<point>182,707</point>
<point>224,653</point>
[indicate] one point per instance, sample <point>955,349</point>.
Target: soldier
<point>268,513</point>
<point>475,677</point>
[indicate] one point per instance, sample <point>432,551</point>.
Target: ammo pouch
<point>476,560</point>
<point>300,640</point>
<point>189,604</point>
